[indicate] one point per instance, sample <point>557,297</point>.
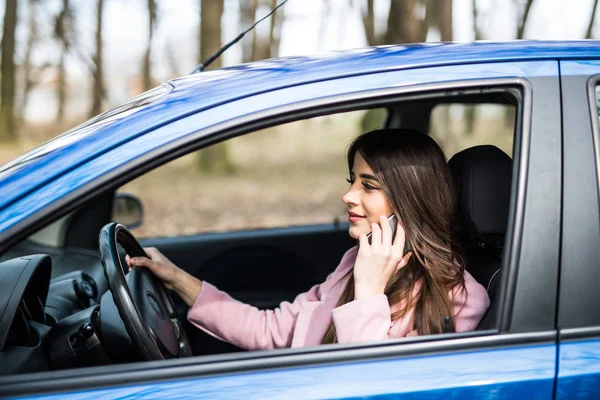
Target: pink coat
<point>304,322</point>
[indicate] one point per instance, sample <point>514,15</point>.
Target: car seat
<point>482,176</point>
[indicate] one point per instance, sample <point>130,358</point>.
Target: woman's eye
<point>369,187</point>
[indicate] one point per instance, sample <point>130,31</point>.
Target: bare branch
<point>523,21</point>
<point>588,34</point>
<point>146,63</point>
<point>368,19</point>
<point>98,90</point>
<point>476,30</point>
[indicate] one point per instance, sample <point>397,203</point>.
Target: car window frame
<point>390,120</point>
<point>505,335</point>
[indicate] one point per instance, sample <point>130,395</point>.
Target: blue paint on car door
<point>525,372</point>
<point>579,370</point>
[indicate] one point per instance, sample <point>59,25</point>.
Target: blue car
<point>74,324</point>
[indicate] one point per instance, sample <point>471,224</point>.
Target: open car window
<point>293,174</point>
<point>283,176</point>
<point>288,176</point>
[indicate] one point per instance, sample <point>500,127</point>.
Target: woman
<point>376,292</point>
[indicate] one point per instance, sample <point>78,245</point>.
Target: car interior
<point>54,286</point>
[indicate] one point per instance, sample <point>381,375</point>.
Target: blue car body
<point>162,123</point>
<point>198,93</point>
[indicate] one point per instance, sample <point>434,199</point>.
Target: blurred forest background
<point>64,61</point>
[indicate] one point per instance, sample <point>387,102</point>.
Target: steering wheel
<point>142,301</point>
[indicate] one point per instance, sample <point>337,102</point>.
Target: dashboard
<point>49,320</point>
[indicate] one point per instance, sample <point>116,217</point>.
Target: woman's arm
<point>363,320</point>
<point>369,318</point>
<point>187,287</point>
<point>469,305</point>
<point>227,319</point>
<point>245,326</point>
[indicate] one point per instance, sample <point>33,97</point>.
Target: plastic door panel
<point>579,314</point>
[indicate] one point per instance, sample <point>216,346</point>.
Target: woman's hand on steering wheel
<point>139,298</point>
<point>160,266</point>
<point>174,278</point>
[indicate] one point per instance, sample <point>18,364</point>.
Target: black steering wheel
<point>141,299</point>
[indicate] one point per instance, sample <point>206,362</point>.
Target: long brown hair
<point>415,178</point>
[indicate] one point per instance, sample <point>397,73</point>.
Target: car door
<point>517,359</point>
<point>578,316</point>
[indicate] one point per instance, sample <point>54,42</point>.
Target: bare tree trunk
<point>444,20</point>
<point>7,73</point>
<point>523,21</point>
<point>476,30</point>
<point>275,32</point>
<point>247,19</point>
<point>402,26</point>
<point>214,159</point>
<point>470,110</point>
<point>29,81</point>
<point>62,30</point>
<point>369,23</point>
<point>261,48</point>
<point>98,72</point>
<point>61,88</point>
<point>371,119</point>
<point>146,70</point>
<point>211,12</point>
<point>588,34</point>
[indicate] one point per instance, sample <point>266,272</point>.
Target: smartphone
<point>393,221</point>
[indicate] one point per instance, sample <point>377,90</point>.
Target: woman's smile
<point>353,217</point>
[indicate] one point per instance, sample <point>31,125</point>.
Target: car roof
<point>190,94</point>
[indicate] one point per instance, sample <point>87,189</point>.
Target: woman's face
<point>365,198</point>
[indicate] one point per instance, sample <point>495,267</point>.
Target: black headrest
<point>483,177</point>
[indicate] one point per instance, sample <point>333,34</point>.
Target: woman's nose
<point>350,197</point>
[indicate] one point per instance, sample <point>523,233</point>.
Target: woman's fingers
<point>129,261</point>
<point>362,241</point>
<point>386,231</point>
<point>150,261</point>
<point>399,240</point>
<point>375,235</point>
<point>152,252</point>
<point>141,262</point>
